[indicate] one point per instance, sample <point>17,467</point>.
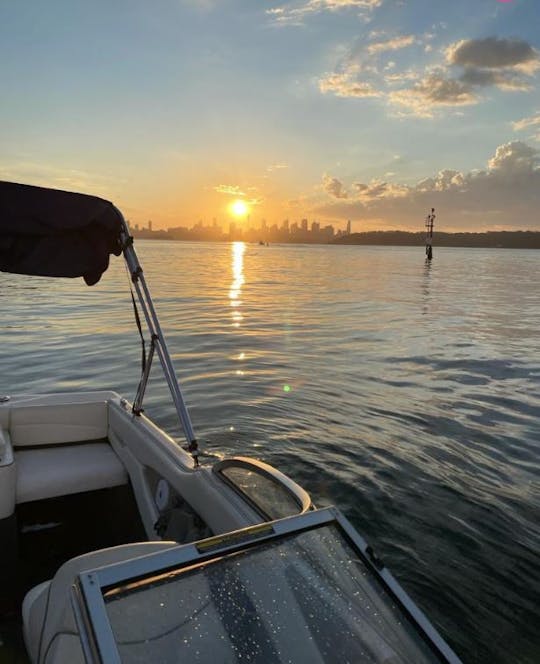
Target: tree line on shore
<point>488,239</point>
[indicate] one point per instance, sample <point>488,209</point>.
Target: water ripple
<point>412,397</point>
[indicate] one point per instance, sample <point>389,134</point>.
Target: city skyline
<point>295,231</point>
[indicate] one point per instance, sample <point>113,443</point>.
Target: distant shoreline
<point>487,240</point>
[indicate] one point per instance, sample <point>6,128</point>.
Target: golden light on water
<point>238,249</point>
<point>239,208</point>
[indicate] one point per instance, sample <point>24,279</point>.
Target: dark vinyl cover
<point>53,233</point>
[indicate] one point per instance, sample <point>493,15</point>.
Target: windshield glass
<point>306,597</point>
<point>269,495</point>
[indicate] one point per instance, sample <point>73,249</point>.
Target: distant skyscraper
<point>285,225</point>
<point>304,224</point>
<point>328,231</point>
<point>349,227</point>
<point>149,225</point>
<point>315,227</point>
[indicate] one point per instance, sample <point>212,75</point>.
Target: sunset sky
<point>369,110</point>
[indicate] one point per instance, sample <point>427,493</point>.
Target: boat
<point>120,545</point>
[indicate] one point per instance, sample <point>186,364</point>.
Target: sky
<point>368,110</point>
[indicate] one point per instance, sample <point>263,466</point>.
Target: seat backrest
<point>52,621</point>
<point>57,424</point>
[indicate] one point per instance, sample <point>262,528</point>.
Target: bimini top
<point>52,233</point>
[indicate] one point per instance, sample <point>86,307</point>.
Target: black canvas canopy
<point>53,233</point>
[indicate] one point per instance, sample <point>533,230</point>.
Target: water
<point>405,393</point>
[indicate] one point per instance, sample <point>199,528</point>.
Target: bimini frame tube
<point>158,339</point>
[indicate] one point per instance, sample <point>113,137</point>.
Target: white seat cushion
<point>48,623</point>
<point>60,423</point>
<point>58,471</point>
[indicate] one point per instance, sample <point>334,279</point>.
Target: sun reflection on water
<point>238,249</point>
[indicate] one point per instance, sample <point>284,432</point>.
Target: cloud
<point>345,85</point>
<point>231,190</point>
<point>514,158</point>
<point>391,44</point>
<point>293,15</point>
<point>493,53</point>
<point>402,76</point>
<point>433,91</point>
<point>487,77</point>
<point>506,193</point>
<point>503,63</point>
<point>276,167</point>
<point>378,189</point>
<point>468,67</point>
<point>524,123</point>
<point>333,187</point>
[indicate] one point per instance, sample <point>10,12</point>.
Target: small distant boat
<point>118,546</point>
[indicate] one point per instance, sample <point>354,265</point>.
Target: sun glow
<point>239,208</point>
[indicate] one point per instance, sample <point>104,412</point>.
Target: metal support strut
<point>157,343</point>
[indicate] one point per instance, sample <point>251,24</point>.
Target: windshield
<point>306,597</point>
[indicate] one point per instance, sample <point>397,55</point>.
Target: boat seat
<point>49,627</point>
<point>62,449</point>
<point>58,471</point>
<point>56,424</point>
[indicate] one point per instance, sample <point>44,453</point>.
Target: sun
<point>239,208</point>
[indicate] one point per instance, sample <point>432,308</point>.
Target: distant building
<point>328,232</point>
<point>149,225</point>
<point>304,224</point>
<point>349,227</point>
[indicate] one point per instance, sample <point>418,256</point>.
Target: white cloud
<point>229,189</point>
<point>276,167</point>
<point>333,187</point>
<point>524,123</point>
<point>391,44</point>
<point>506,193</point>
<point>402,76</point>
<point>344,85</point>
<point>432,92</point>
<point>294,14</point>
<point>514,158</point>
<point>469,66</point>
<point>378,189</point>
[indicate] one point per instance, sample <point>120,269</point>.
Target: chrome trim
<point>299,494</point>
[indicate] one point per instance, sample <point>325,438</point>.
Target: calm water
<point>413,398</point>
